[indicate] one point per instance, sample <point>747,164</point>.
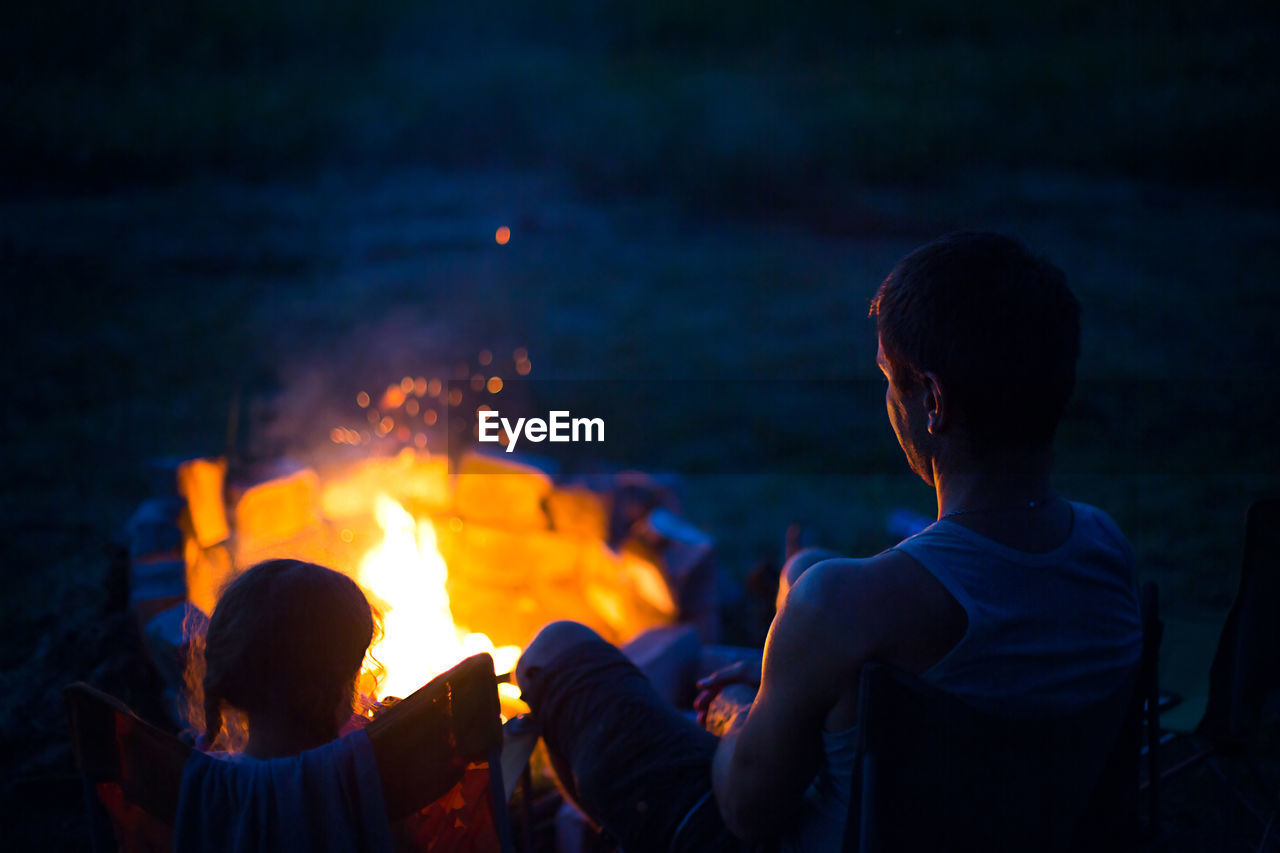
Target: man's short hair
<point>996,323</point>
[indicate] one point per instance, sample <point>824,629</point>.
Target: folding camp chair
<point>932,772</point>
<point>1244,680</point>
<point>437,753</point>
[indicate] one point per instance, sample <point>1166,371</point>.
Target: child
<point>284,647</point>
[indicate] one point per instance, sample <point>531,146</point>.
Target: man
<point>1015,597</point>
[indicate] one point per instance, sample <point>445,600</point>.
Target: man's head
<point>977,320</point>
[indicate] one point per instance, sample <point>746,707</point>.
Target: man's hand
<point>743,672</point>
<point>728,711</point>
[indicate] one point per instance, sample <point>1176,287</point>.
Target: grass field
<point>742,105</point>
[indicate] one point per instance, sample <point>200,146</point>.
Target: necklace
<point>1029,505</point>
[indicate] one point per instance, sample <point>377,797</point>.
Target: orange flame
<point>405,577</point>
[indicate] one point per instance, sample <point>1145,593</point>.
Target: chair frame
<point>1240,701</point>
<point>1038,782</point>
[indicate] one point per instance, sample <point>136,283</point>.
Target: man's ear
<point>937,417</point>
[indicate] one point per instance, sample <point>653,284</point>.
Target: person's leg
<point>551,642</point>
<point>626,757</point>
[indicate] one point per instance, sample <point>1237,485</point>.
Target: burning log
<point>277,511</point>
<point>578,511</point>
<point>201,482</point>
<point>501,492</point>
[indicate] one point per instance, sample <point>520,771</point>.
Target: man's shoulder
<point>830,581</point>
<point>820,583</point>
<point>869,598</point>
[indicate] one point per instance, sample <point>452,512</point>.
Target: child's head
<point>286,642</point>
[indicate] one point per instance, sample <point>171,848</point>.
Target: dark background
<point>286,203</point>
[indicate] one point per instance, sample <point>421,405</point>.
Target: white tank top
<point>1047,631</point>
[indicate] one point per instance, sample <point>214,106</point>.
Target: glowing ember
<point>405,578</point>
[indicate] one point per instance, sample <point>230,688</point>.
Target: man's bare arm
<point>762,768</point>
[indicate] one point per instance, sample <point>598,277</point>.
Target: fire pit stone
<point>521,549</point>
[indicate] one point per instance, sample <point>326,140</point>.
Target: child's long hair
<point>288,636</point>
